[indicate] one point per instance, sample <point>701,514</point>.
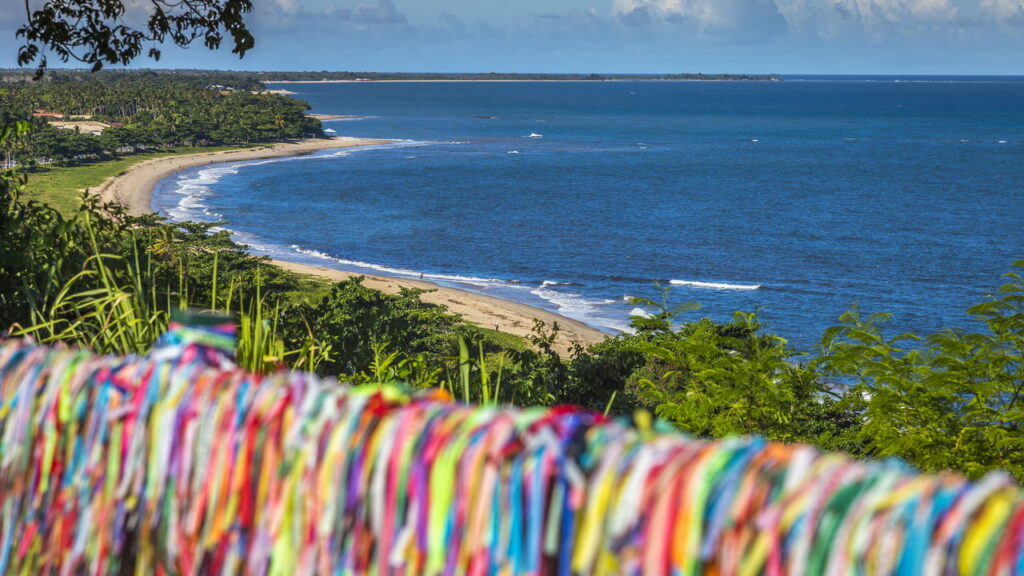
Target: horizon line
<point>410,73</point>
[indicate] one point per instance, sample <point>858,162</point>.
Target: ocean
<point>796,199</point>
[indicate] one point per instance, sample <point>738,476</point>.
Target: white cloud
<point>1011,11</point>
<point>872,13</point>
<point>287,6</point>
<point>820,18</point>
<point>740,19</point>
<point>700,10</point>
<point>573,23</point>
<point>379,12</point>
<point>639,16</point>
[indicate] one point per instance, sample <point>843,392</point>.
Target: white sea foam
<point>194,192</point>
<point>715,285</point>
<point>195,189</point>
<point>471,280</point>
<point>574,305</point>
<point>639,312</point>
<point>258,244</point>
<point>339,152</point>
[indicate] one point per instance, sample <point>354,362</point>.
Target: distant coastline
<point>339,77</point>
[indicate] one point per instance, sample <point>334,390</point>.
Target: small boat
<point>535,135</point>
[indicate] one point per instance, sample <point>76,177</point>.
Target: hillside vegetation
<point>77,119</point>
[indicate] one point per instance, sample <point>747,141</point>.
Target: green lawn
<point>61,186</point>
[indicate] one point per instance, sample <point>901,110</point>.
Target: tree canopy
<point>96,32</point>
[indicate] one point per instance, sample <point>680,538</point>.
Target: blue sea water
<point>796,198</point>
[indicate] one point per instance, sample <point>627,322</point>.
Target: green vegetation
<point>62,186</point>
<point>954,402</point>
<point>94,276</point>
<point>98,33</point>
<point>80,120</point>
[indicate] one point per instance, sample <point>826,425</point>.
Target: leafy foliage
<point>355,320</point>
<point>717,380</point>
<point>41,250</point>
<point>141,111</point>
<point>954,403</point>
<point>95,32</point>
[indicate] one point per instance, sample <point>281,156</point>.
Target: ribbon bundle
<point>178,463</point>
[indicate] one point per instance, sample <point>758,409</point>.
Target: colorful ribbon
<point>179,463</point>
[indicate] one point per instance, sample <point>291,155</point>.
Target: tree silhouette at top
<point>95,32</point>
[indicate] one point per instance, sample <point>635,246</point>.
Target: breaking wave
<point>714,285</point>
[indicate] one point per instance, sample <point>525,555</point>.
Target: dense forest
<point>78,117</point>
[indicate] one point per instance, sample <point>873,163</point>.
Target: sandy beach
<point>322,117</point>
<point>134,187</point>
<point>485,311</point>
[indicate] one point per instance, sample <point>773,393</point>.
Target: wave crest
<point>714,285</point>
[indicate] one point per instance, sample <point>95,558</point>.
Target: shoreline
<point>134,188</point>
<point>323,117</point>
<point>485,311</point>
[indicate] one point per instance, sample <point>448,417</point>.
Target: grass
<point>309,289</point>
<point>61,186</point>
<point>504,340</point>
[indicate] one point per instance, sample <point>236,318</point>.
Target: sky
<point>614,36</point>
